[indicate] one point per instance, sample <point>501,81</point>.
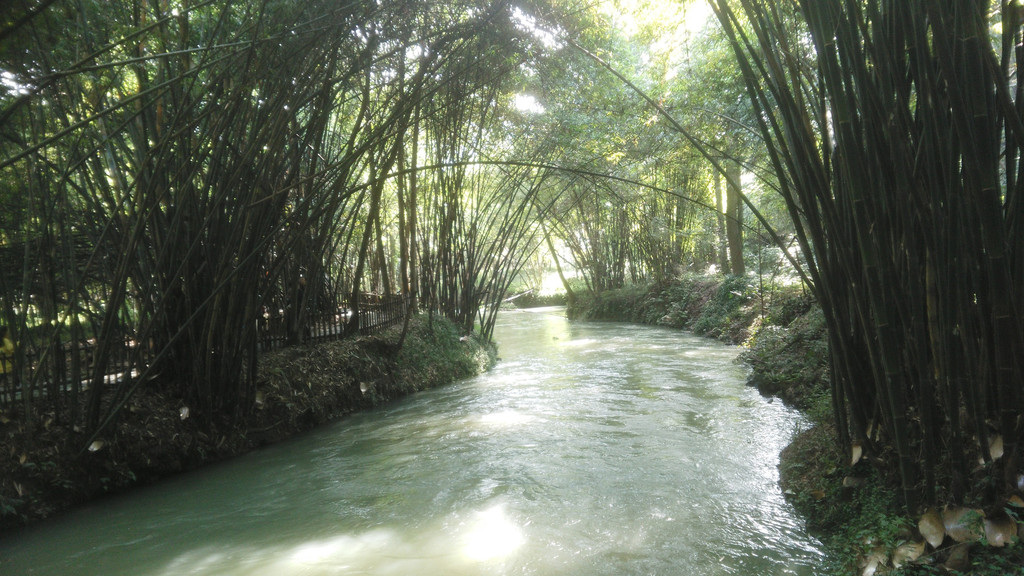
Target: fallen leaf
<point>959,558</point>
<point>908,552</point>
<point>1015,501</point>
<point>932,527</point>
<point>23,458</point>
<point>995,447</point>
<point>1000,531</point>
<point>874,431</point>
<point>876,558</point>
<point>818,494</point>
<point>857,452</point>
<point>184,412</point>
<point>853,482</point>
<point>963,524</point>
<point>96,445</point>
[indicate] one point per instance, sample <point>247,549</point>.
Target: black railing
<point>376,313</point>
<point>61,369</point>
<point>65,367</point>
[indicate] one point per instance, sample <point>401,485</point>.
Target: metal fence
<point>56,369</point>
<point>376,313</point>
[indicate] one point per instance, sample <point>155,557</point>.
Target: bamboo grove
<point>172,173</point>
<point>896,131</point>
<point>176,174</point>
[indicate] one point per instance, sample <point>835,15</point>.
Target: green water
<point>591,449</point>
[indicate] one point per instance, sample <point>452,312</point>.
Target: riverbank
<point>46,472</point>
<point>782,330</point>
<point>854,510</point>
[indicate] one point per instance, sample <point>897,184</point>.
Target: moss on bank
<point>45,472</point>
<point>714,306</point>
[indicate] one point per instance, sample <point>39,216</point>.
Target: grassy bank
<point>853,509</point>
<point>728,308</point>
<point>45,472</point>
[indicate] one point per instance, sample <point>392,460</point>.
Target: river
<point>590,449</point>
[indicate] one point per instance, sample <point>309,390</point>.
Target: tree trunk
<point>723,243</point>
<point>734,218</point>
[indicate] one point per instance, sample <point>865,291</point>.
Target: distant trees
<point>648,116</point>
<point>895,130</point>
<point>630,199</point>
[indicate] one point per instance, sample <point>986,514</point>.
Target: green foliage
<point>791,359</point>
<point>709,305</point>
<point>436,353</point>
<point>851,520</point>
<point>987,561</point>
<point>622,304</point>
<point>680,303</point>
<point>786,304</point>
<point>725,309</point>
<point>635,204</point>
<point>534,300</point>
<point>868,519</point>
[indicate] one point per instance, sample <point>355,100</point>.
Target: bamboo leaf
<point>853,482</point>
<point>959,558</point>
<point>875,559</point>
<point>963,524</point>
<point>908,552</point>
<point>995,446</point>
<point>932,527</point>
<point>1000,531</point>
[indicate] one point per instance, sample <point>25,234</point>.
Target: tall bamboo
<point>888,139</point>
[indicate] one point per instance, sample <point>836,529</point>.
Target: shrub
<point>792,362</point>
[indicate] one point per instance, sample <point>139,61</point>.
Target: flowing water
<point>591,449</point>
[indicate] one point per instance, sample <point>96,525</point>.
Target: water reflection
<point>492,535</point>
<point>456,546</point>
<point>610,450</point>
<point>505,418</point>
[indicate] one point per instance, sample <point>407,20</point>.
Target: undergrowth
<point>435,353</point>
<point>791,361</point>
<point>712,306</point>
